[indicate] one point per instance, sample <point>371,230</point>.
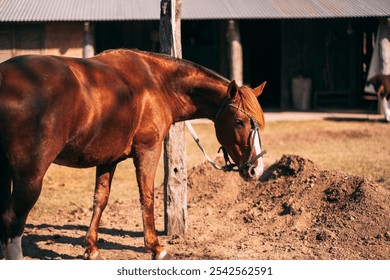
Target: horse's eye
<point>239,122</point>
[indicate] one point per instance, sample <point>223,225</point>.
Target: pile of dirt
<point>295,211</point>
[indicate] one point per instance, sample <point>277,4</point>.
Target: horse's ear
<point>232,90</point>
<point>257,91</point>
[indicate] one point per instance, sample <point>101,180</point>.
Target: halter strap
<point>221,108</point>
<point>229,166</point>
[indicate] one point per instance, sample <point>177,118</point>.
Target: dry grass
<point>361,148</point>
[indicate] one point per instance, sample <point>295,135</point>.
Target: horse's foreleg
<point>146,164</point>
<point>104,175</point>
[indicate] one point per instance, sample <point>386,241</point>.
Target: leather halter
<point>229,166</point>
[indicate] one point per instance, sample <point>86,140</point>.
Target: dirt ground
<point>296,211</point>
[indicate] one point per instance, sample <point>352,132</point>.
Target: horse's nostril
<point>252,171</point>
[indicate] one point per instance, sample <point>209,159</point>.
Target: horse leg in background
<point>104,175</point>
<point>386,108</point>
<point>145,162</point>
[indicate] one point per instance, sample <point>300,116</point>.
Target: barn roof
<point>120,10</point>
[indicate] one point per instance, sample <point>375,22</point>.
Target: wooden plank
<point>175,176</point>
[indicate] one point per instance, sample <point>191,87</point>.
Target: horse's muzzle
<point>252,172</point>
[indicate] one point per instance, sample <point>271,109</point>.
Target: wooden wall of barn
<point>64,39</point>
<point>52,38</point>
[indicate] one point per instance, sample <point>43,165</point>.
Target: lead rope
<point>228,167</point>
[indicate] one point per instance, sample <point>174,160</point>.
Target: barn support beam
<point>88,43</point>
<point>235,49</point>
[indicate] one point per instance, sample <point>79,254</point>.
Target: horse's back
<point>79,106</point>
<point>33,79</point>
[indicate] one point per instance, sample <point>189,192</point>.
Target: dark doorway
<point>204,42</point>
<point>261,49</point>
<point>141,35</point>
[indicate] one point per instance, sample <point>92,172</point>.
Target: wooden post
<point>175,176</point>
<point>88,48</point>
<point>235,48</point>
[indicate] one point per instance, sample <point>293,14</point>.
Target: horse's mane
<point>170,58</point>
<point>187,63</point>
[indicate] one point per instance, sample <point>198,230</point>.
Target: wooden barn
<point>314,54</point>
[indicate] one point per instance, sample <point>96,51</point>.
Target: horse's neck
<point>199,95</point>
<point>192,91</point>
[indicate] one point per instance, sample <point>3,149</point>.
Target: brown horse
<point>99,111</point>
<point>381,85</point>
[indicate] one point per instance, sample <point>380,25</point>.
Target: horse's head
<point>237,125</point>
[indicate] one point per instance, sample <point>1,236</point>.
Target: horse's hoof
<point>92,256</point>
<point>163,255</point>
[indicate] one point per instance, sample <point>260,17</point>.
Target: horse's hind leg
<point>5,193</point>
<point>25,193</point>
<point>104,175</point>
<point>26,171</point>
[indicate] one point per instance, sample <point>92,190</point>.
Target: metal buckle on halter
<point>229,166</point>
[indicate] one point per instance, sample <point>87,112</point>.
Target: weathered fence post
<point>235,49</point>
<point>175,179</point>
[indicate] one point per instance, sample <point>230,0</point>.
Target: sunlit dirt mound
<point>298,211</point>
